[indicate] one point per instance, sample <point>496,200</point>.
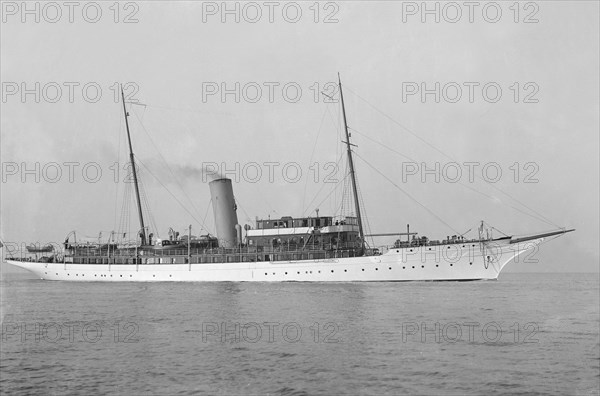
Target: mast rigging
<point>135,181</point>
<point>352,173</point>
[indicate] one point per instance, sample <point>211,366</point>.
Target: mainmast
<point>351,163</point>
<point>135,181</point>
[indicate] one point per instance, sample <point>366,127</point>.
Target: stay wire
<point>202,226</point>
<point>407,194</point>
<point>166,164</point>
<point>449,157</point>
<point>459,182</point>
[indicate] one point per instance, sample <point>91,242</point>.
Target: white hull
<point>468,261</point>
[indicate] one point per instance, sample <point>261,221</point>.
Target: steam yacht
<point>307,249</point>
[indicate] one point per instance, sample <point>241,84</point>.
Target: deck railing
<point>283,252</point>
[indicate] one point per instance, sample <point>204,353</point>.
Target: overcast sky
<point>540,129</point>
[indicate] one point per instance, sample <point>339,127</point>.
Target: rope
<point>117,171</point>
<point>124,219</point>
<point>150,216</point>
<point>365,217</point>
<point>311,157</point>
<point>459,182</point>
<point>206,214</point>
<point>237,202</point>
<point>321,189</point>
<point>174,197</point>
<point>328,195</point>
<point>407,194</point>
<point>541,217</point>
<point>166,164</point>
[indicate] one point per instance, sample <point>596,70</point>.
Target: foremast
<point>352,173</point>
<point>135,180</point>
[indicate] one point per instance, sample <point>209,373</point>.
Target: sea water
<point>522,334</point>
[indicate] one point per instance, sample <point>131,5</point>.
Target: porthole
<point>437,265</point>
<point>131,276</point>
<point>363,269</point>
<point>397,251</point>
<point>473,245</point>
<point>422,266</point>
<point>111,275</point>
<point>376,269</point>
<point>286,273</point>
<point>121,276</point>
<point>332,271</point>
<point>413,266</point>
<point>57,273</point>
<point>471,263</point>
<point>319,272</point>
<point>451,265</point>
<point>403,267</point>
<point>311,272</point>
<point>411,250</point>
<point>265,273</point>
<point>298,272</point>
<point>46,273</point>
<point>345,270</point>
<point>170,276</point>
<point>463,246</point>
<point>448,247</point>
<point>429,248</point>
<point>154,276</point>
<point>390,268</point>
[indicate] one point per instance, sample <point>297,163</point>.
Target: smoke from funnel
<point>212,173</point>
<point>188,174</point>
